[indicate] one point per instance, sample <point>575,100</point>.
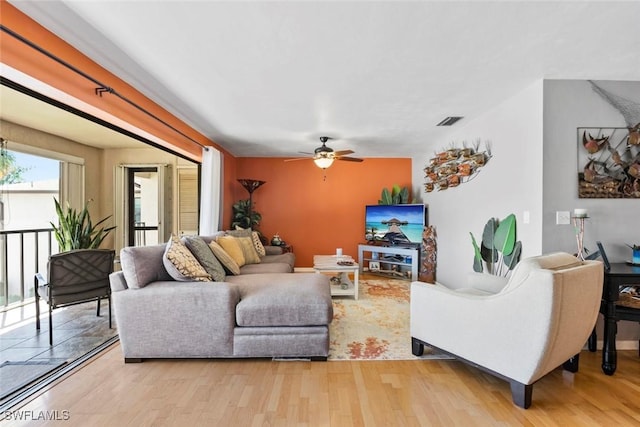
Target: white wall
<point>511,182</point>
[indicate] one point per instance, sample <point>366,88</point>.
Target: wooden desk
<point>620,274</point>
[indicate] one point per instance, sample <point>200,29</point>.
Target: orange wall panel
<point>314,214</point>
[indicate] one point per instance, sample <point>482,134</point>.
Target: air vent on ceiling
<point>449,121</point>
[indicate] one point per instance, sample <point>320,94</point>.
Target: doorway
<point>142,196</point>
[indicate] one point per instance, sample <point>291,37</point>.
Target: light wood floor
<point>106,392</point>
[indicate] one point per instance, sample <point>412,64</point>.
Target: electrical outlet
<point>563,218</point>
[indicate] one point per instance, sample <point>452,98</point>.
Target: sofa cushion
<point>287,258</point>
<point>181,264</point>
<point>227,262</point>
<point>269,267</point>
<point>232,247</point>
<point>142,265</point>
<point>205,257</point>
<point>301,299</point>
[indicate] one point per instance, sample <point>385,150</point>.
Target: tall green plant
<point>498,250</point>
<point>244,216</point>
<point>75,229</point>
<point>396,196</point>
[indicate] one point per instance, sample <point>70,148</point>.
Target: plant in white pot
<point>75,229</point>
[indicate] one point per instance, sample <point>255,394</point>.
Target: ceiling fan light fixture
<point>323,162</point>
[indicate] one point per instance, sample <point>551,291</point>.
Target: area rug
<point>16,375</point>
<point>376,325</point>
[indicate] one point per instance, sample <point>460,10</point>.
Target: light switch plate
<point>563,218</point>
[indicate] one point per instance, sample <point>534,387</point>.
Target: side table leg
<point>609,355</point>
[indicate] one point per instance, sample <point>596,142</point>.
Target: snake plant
<point>75,229</point>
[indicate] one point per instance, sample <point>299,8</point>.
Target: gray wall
<point>569,104</point>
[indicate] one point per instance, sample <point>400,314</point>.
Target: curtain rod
<point>102,88</point>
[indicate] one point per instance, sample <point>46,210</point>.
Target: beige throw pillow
<point>231,246</point>
<point>248,250</point>
<point>255,237</point>
<point>181,264</point>
<point>227,262</point>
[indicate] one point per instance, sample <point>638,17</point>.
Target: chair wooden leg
<point>109,300</point>
<point>572,364</point>
<point>98,309</point>
<point>417,348</point>
<point>50,327</point>
<point>521,394</point>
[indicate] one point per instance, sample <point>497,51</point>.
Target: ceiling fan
<point>324,156</point>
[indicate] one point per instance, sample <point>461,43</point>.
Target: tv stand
<point>394,261</point>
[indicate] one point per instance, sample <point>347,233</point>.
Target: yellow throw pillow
<point>181,264</point>
<point>255,237</point>
<point>232,247</point>
<point>248,250</point>
<point>227,262</point>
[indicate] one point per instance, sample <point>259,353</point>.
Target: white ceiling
<point>265,78</point>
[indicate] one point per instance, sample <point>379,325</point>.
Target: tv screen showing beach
<point>396,224</point>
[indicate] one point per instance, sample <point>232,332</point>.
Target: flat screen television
<point>395,224</point>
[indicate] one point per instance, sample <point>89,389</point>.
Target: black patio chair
<point>74,277</point>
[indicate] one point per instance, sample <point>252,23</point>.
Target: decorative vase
<point>636,256</point>
<point>276,241</point>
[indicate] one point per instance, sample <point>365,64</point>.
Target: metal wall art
<point>454,166</point>
<point>609,162</point>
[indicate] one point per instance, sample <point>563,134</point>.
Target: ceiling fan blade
<point>350,159</point>
<point>298,158</point>
<point>343,152</point>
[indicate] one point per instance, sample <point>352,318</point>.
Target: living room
<point>532,172</point>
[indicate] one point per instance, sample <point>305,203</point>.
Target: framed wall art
<point>609,162</point>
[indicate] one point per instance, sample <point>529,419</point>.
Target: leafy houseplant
<point>75,229</point>
<point>396,196</point>
<point>499,249</point>
<point>244,216</point>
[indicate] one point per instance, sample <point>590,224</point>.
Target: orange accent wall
<point>314,214</point>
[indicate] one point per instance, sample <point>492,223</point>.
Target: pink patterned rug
<point>376,326</point>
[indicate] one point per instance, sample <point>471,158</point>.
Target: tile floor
<point>76,331</point>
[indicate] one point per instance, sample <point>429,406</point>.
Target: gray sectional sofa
<point>266,311</point>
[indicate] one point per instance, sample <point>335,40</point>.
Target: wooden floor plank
<point>107,392</point>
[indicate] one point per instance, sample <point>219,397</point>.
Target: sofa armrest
<point>177,319</point>
<point>273,250</point>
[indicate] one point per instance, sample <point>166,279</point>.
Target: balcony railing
<point>23,253</point>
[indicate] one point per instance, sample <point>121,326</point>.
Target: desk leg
<point>609,355</point>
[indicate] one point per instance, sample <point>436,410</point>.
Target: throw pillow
<point>205,257</point>
<point>248,250</point>
<point>227,262</point>
<point>257,243</point>
<point>181,264</point>
<point>232,247</point>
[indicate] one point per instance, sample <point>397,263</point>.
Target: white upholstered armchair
<point>518,330</point>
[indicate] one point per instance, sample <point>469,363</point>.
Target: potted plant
<point>75,229</point>
<point>498,249</point>
<point>244,216</point>
<point>396,196</point>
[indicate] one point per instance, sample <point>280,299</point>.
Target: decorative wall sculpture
<point>455,166</point>
<point>609,162</point>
